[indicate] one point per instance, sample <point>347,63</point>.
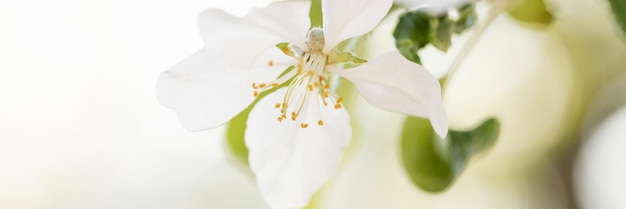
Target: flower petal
<point>287,19</point>
<point>393,83</point>
<point>233,40</point>
<point>344,19</point>
<point>290,162</point>
<point>435,6</point>
<point>207,94</point>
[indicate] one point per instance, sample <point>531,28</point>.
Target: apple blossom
<point>297,133</point>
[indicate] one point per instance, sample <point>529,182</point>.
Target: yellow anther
<point>254,86</point>
<point>311,73</point>
<point>304,125</point>
<point>274,85</point>
<point>277,105</point>
<point>294,116</point>
<point>271,63</point>
<point>310,87</point>
<point>300,66</point>
<point>326,86</point>
<point>320,123</point>
<point>256,93</point>
<point>337,106</point>
<point>316,84</point>
<point>262,85</point>
<point>280,119</point>
<point>339,99</point>
<point>321,78</point>
<point>325,94</point>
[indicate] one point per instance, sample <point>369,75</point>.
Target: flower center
<point>308,81</point>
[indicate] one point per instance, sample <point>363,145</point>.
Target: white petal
<point>207,94</point>
<point>344,19</point>
<point>233,40</point>
<point>436,6</point>
<point>393,83</point>
<point>287,19</point>
<point>290,162</point>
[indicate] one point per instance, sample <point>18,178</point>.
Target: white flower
<point>297,134</point>
<point>436,6</point>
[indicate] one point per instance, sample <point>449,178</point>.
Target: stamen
<point>339,99</point>
<point>254,86</point>
<point>256,93</point>
<point>300,66</point>
<point>308,77</point>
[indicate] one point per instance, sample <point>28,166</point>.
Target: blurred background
<point>80,126</point>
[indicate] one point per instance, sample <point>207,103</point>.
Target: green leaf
<point>432,163</point>
<point>412,33</point>
<point>532,11</point>
<point>419,28</point>
<point>619,10</point>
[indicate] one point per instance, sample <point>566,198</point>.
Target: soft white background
<point>79,123</point>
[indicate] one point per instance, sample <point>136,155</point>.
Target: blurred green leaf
<point>235,132</point>
<point>467,18</point>
<point>432,163</point>
<point>619,10</point>
<point>532,11</point>
<point>412,33</point>
<point>419,28</point>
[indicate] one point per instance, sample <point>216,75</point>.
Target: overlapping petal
<point>290,162</point>
<point>287,19</point>
<point>344,19</point>
<point>436,6</point>
<point>207,94</point>
<point>213,85</point>
<point>228,38</point>
<point>393,83</point>
<point>240,41</point>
